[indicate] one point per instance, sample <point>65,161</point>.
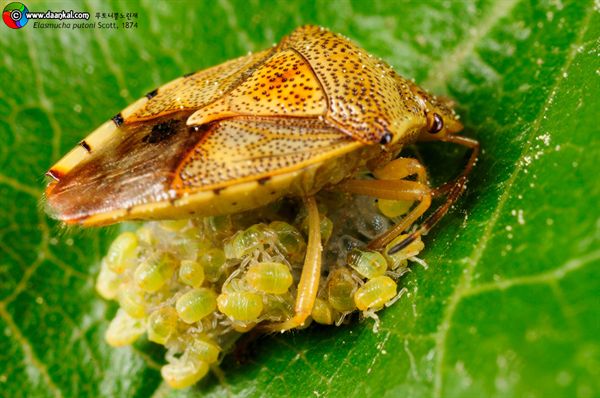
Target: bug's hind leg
<point>391,184</point>
<point>311,274</point>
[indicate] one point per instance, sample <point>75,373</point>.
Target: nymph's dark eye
<point>437,124</point>
<point>386,138</point>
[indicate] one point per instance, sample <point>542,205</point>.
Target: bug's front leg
<point>391,184</point>
<point>452,190</point>
<point>418,190</point>
<point>311,274</point>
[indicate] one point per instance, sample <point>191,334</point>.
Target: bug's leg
<point>311,273</point>
<point>452,190</point>
<point>390,184</point>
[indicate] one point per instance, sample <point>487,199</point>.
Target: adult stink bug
<point>302,116</point>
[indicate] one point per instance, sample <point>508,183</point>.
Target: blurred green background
<point>509,305</point>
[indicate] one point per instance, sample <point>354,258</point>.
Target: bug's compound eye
<point>386,138</point>
<point>436,124</point>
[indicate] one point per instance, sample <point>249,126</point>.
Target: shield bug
<point>302,116</point>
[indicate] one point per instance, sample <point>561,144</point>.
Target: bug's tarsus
<point>453,190</point>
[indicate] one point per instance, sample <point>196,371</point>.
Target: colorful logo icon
<point>14,15</point>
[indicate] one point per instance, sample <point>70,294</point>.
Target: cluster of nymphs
<point>195,285</point>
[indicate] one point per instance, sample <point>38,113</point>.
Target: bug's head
<point>440,119</point>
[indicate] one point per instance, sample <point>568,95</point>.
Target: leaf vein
<point>22,284</point>
<point>45,103</point>
<point>541,278</point>
<point>441,71</point>
<point>110,62</point>
<point>232,20</point>
<point>66,267</point>
<point>20,187</point>
<point>466,278</point>
<point>30,356</point>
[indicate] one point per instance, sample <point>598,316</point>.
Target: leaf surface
<point>508,306</point>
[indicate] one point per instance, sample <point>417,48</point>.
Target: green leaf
<point>508,306</point>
